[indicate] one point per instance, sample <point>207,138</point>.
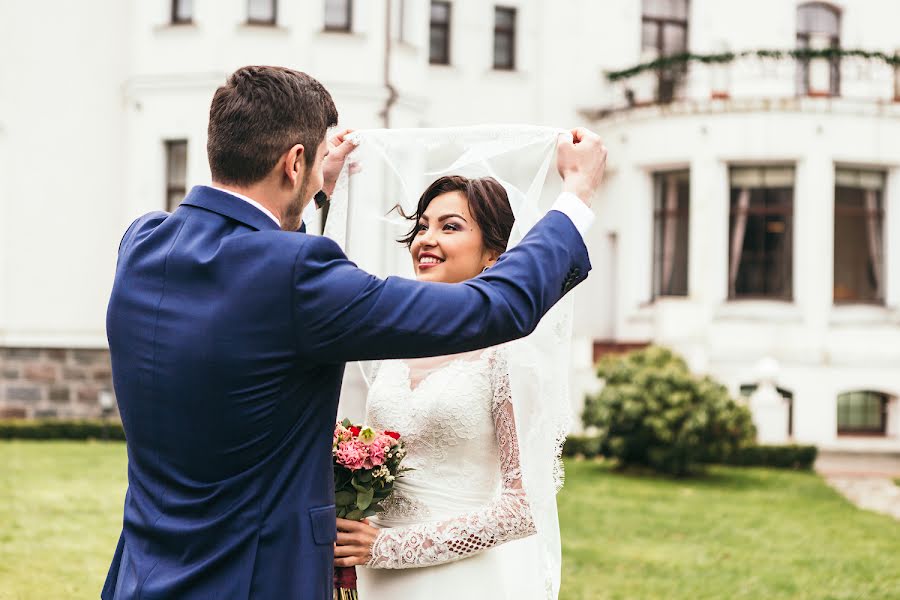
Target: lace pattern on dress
<point>505,519</point>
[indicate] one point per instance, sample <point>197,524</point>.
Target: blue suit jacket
<point>228,341</point>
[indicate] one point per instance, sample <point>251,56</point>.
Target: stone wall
<point>54,382</point>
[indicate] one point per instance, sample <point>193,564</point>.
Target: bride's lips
<point>428,265</point>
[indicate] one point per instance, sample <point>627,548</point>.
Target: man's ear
<point>293,163</point>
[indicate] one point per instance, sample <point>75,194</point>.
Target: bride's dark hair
<point>488,204</point>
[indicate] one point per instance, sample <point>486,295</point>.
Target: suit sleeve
<point>342,313</point>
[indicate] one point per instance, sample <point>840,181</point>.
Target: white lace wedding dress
<point>442,529</point>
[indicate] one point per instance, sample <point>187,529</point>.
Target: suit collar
<point>230,206</point>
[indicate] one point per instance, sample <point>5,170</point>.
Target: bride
<point>446,532</point>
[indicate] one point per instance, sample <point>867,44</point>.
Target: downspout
<point>392,92</point>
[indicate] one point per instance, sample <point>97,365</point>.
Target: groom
<point>229,332</point>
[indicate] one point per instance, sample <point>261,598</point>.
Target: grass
<point>735,534</point>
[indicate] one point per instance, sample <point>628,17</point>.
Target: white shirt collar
<point>252,202</point>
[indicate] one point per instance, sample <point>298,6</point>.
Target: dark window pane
<point>504,18</point>
<point>671,228</point>
<point>818,18</point>
<point>859,236</point>
<point>666,9</point>
<point>176,172</point>
<point>440,12</point>
<point>761,233</point>
<point>439,41</point>
<point>182,11</point>
<point>337,15</point>
<point>674,39</point>
<point>650,36</point>
<point>862,412</point>
<point>261,11</point>
<point>503,52</point>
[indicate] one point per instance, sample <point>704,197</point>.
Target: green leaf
<point>355,515</point>
<point>364,499</point>
<point>346,423</point>
<point>344,498</point>
<point>364,476</point>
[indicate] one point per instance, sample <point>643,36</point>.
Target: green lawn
<point>739,533</point>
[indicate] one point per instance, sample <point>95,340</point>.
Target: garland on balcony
<point>682,59</point>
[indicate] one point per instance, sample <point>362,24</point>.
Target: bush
<point>21,429</point>
<point>582,445</point>
<point>653,412</point>
<point>782,457</point>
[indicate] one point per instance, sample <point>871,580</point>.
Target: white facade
<point>89,97</point>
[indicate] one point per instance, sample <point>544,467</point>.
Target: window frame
<point>170,187</point>
<point>682,212</point>
<point>879,213</point>
<point>787,295</point>
<point>268,23</point>
<point>348,13</point>
<point>177,20</point>
<point>803,39</point>
<point>446,26</point>
<point>673,76</point>
<point>880,431</point>
<point>506,31</point>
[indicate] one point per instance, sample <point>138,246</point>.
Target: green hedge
<point>582,445</point>
<point>789,456</point>
<point>24,429</point>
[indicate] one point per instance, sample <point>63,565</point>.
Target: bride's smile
<point>447,243</point>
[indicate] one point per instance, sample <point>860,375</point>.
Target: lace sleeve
<point>505,519</point>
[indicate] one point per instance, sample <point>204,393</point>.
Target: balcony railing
<point>827,72</point>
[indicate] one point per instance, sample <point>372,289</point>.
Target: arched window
<point>862,412</point>
<point>818,26</point>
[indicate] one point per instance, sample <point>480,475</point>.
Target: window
<point>748,389</point>
<point>439,46</point>
<point>664,32</point>
<point>858,236</point>
<point>261,12</point>
<point>761,233</point>
<point>818,27</point>
<point>862,412</point>
<point>670,233</point>
<point>176,173</point>
<point>338,15</point>
<point>504,38</point>
<point>182,11</point>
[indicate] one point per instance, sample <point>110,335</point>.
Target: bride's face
<point>448,246</point>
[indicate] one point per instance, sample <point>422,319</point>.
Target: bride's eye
<point>420,228</point>
<point>451,226</point>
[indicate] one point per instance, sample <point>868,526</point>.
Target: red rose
<point>354,430</point>
<point>392,434</point>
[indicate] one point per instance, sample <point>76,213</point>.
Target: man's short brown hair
<point>258,115</point>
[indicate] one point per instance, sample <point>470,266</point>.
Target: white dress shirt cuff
<point>578,212</point>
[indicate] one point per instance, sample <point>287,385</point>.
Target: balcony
<point>754,77</point>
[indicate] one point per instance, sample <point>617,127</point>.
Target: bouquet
<point>366,465</point>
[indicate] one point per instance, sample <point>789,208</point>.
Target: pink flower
<point>353,454</point>
<point>376,452</point>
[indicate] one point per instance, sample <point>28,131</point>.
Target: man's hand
<point>339,147</point>
<point>354,543</point>
<point>581,161</point>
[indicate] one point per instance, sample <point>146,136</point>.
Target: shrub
<point>789,456</point>
<point>21,429</point>
<point>582,445</point>
<point>653,412</point>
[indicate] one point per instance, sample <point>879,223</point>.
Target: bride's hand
<point>354,543</point>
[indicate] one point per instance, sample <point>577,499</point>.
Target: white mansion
<point>751,219</point>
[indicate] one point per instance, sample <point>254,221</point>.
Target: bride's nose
<point>427,238</point>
